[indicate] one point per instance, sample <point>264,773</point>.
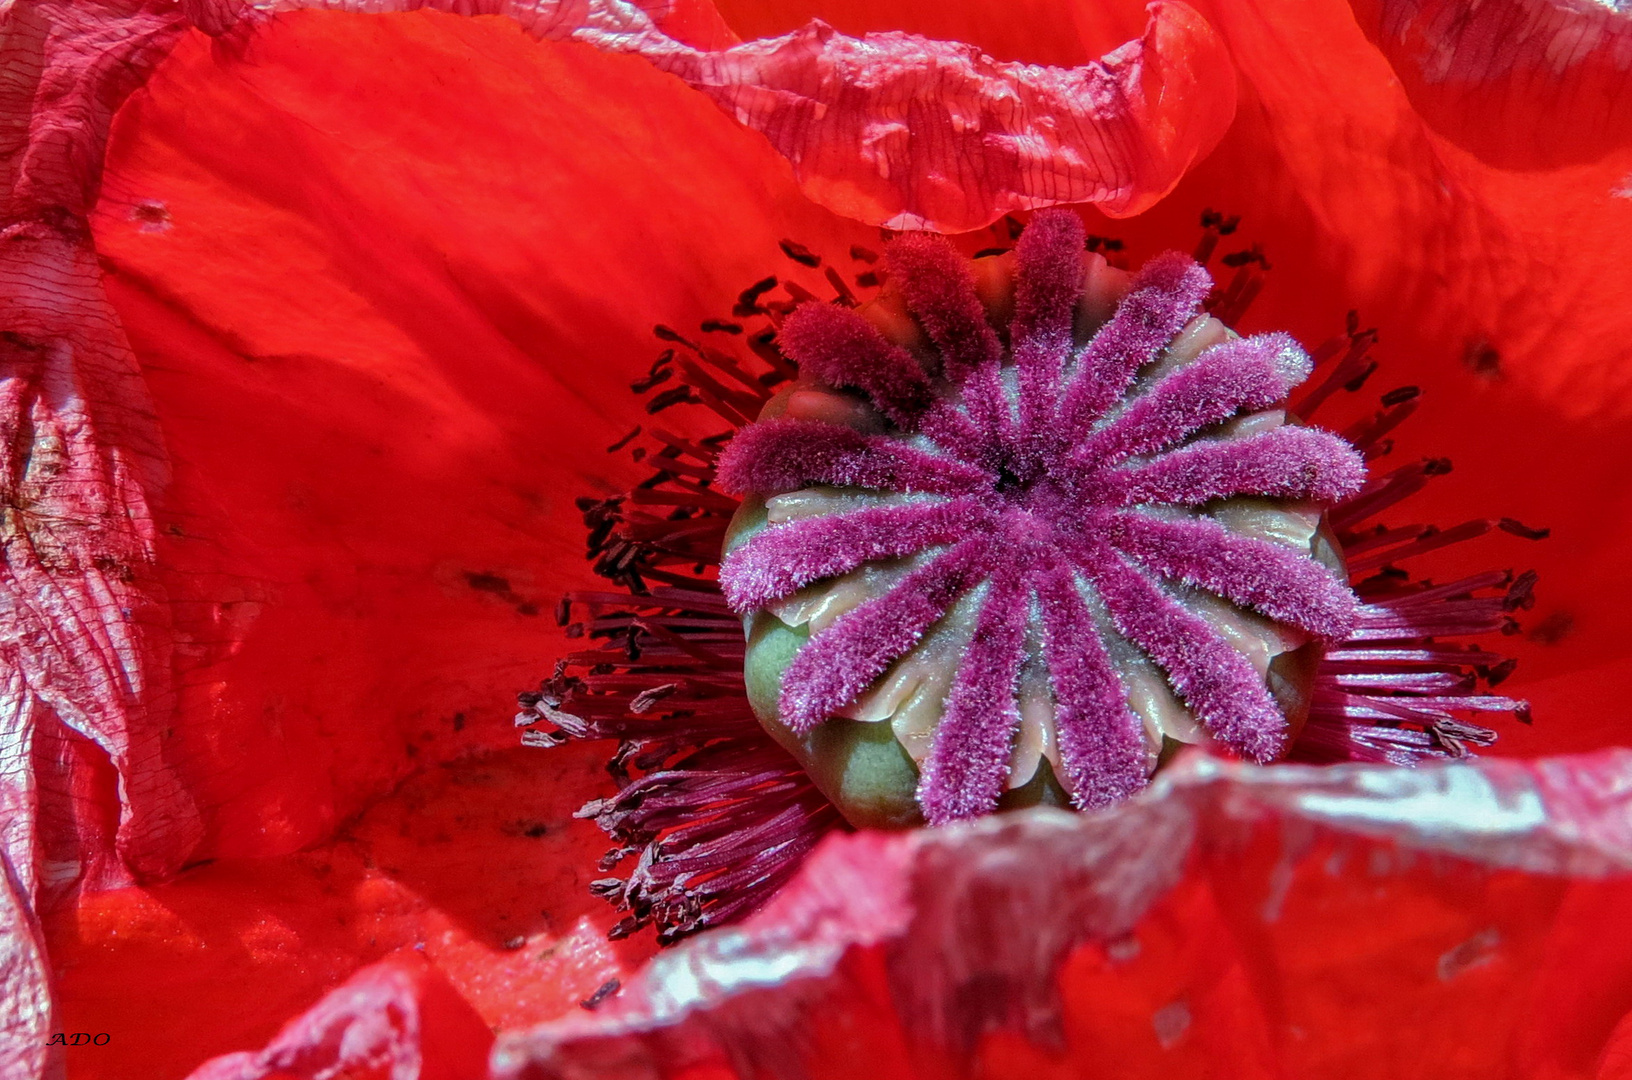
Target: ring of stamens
<point>1067,543</point>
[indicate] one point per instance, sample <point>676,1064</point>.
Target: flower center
<point>1023,523</point>
<point>1014,483</point>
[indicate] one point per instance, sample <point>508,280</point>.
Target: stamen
<point>720,817</point>
<point>1045,533</point>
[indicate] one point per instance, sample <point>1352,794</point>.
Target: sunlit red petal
<point>368,363</point>
<point>361,281</point>
<point>479,866</point>
<point>1291,921</point>
<point>86,645</point>
<point>398,1015</point>
<point>25,982</point>
<point>987,137</point>
<point>1521,83</point>
<point>1058,32</point>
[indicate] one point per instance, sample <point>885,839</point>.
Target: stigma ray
<point>1041,457</point>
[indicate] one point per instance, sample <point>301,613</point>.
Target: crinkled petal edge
<point>741,994</point>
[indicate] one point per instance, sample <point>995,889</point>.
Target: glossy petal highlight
<point>987,137</point>
<point>1294,920</point>
<point>1524,84</point>
<point>398,1015</point>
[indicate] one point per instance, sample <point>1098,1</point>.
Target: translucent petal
<point>1291,920</point>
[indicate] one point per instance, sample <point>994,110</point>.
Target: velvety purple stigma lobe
<point>1167,294</point>
<point>785,454</point>
<point>788,557</point>
<point>1048,283</point>
<point>1101,741</point>
<point>1251,373</point>
<point>938,287</point>
<point>1284,463</point>
<point>842,661</point>
<point>1287,586</point>
<point>968,764</point>
<point>939,290</point>
<point>1070,482</point>
<point>1218,683</point>
<point>844,350</point>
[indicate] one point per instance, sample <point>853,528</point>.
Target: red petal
<point>1524,84</point>
<point>82,615</point>
<point>696,23</point>
<point>987,137</point>
<point>25,981</point>
<point>1616,1061</point>
<point>371,373</point>
<point>1056,32</point>
<point>83,621</point>
<point>397,1017</point>
<point>1497,292</point>
<point>1245,922</point>
<point>478,866</point>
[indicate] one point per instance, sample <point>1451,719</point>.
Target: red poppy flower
<point>302,384</point>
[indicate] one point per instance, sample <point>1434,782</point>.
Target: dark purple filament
<point>711,816</point>
<point>1042,480</point>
